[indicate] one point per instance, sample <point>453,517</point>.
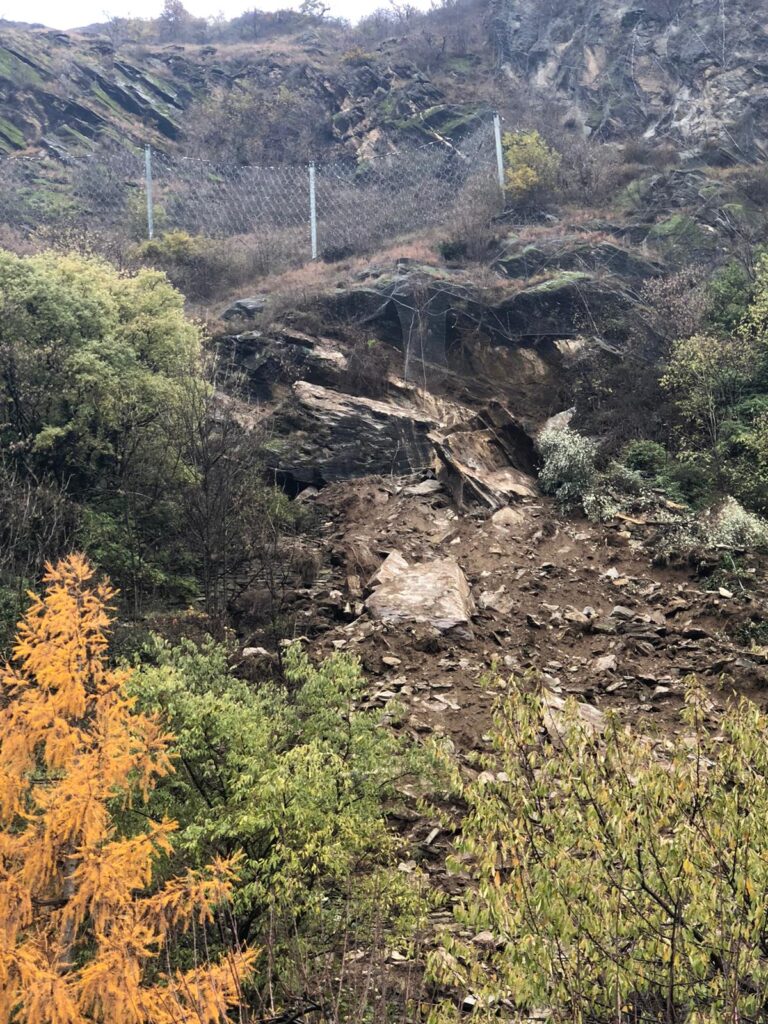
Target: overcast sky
<point>85,12</point>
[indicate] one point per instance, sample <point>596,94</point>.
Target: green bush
<point>627,481</point>
<point>646,457</point>
<point>201,268</point>
<point>94,367</point>
<point>299,779</point>
<point>688,482</point>
<point>732,526</point>
<point>730,292</point>
<point>89,361</point>
<point>569,467</point>
<point>613,879</point>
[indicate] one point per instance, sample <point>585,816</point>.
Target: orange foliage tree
<point>84,934</point>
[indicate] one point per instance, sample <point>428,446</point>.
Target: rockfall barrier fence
<point>319,209</point>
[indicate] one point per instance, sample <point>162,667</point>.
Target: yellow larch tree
<point>84,933</point>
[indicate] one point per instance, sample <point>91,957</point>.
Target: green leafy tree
<point>730,292</point>
<point>755,323</point>
<point>92,363</point>
<point>708,376</point>
<point>298,779</point>
<point>616,880</point>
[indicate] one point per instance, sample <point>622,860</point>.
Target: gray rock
<point>424,488</point>
<point>554,723</point>
<point>507,518</point>
<point>623,613</point>
<point>245,308</point>
<point>390,568</point>
<point>320,436</point>
<point>605,663</point>
<point>433,592</point>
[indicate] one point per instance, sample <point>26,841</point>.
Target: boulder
<point>390,568</point>
<point>436,593</point>
<point>508,518</point>
<point>245,308</point>
<point>489,460</point>
<point>591,717</point>
<point>320,436</point>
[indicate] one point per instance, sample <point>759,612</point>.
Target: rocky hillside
<point>688,72</point>
<point>439,554</point>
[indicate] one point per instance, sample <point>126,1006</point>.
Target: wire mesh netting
<point>358,205</point>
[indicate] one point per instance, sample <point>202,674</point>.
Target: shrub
<point>732,526</point>
<point>471,233</point>
<point>676,304</point>
<point>599,506</point>
<point>646,457</point>
<point>687,481</point>
<point>658,156</point>
<point>693,538</point>
<point>531,166</point>
<point>730,292</point>
<point>202,268</point>
<point>625,480</point>
<point>589,171</point>
<point>615,881</point>
<point>297,777</point>
<point>569,464</point>
<point>708,376</point>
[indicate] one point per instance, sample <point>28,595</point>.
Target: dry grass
<point>300,286</point>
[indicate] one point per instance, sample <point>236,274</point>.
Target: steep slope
<point>63,92</point>
<point>692,72</point>
<point>689,72</point>
<point>439,556</point>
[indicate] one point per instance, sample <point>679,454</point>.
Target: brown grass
<point>312,280</point>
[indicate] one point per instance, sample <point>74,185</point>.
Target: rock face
<point>271,364</point>
<point>574,252</point>
<point>436,593</point>
<point>322,435</point>
<point>453,419</point>
<point>489,461</point>
<point>694,71</point>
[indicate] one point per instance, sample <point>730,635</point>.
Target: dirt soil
<point>579,603</point>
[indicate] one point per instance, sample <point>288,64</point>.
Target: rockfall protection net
<point>358,206</point>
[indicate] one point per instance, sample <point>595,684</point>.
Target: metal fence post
<point>499,150</point>
<point>313,210</point>
<point>148,188</point>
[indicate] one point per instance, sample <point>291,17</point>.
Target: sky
<point>72,13</point>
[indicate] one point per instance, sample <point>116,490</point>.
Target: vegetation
<point>531,166</point>
<point>569,467</point>
<point>296,778</point>
<point>204,819</point>
<point>92,367</point>
<point>112,439</point>
<point>86,932</point>
<point>614,879</point>
<point>201,268</point>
